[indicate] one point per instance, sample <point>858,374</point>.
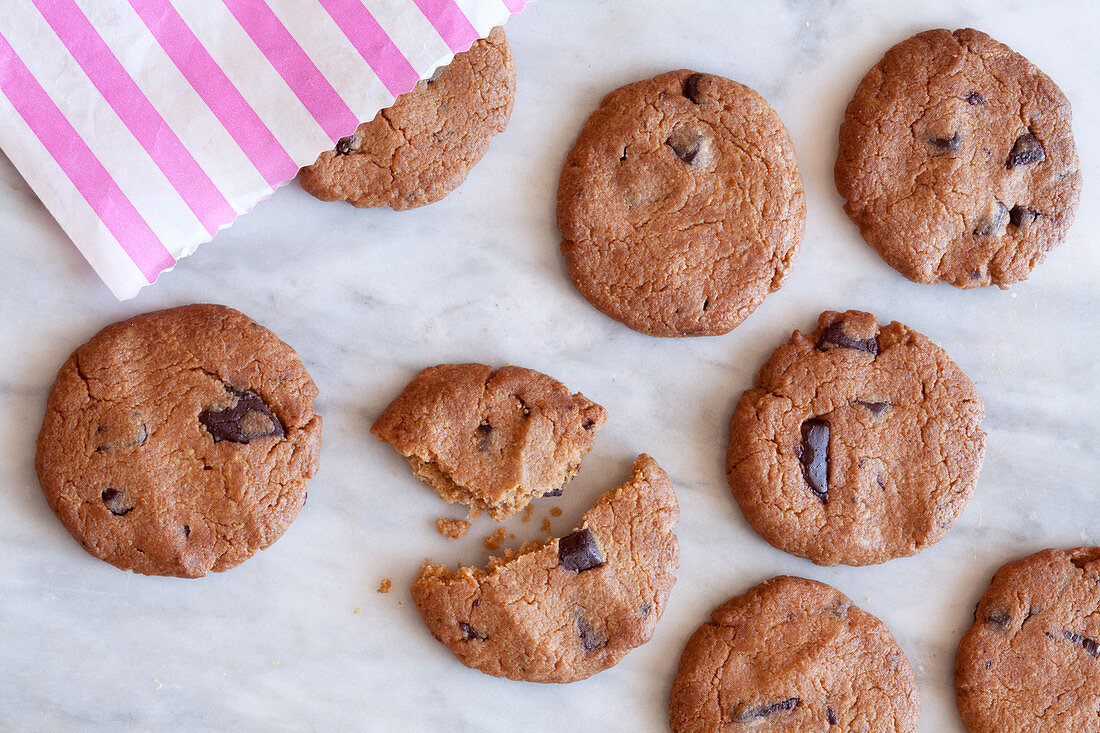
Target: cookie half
<point>179,442</point>
<point>491,439</point>
<point>563,610</point>
<point>680,205</point>
<point>1029,664</point>
<point>793,655</point>
<point>423,147</point>
<point>957,160</point>
<point>858,444</point>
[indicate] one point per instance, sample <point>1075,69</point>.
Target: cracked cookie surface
<point>957,160</point>
<point>680,205</point>
<point>491,439</point>
<point>1029,663</point>
<point>423,147</point>
<point>179,441</point>
<point>858,444</point>
<point>793,655</point>
<point>563,610</point>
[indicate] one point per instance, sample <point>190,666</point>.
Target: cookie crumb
<point>555,512</point>
<point>527,512</point>
<point>495,541</point>
<point>453,528</point>
<point>473,514</point>
<point>357,610</point>
<point>384,587</point>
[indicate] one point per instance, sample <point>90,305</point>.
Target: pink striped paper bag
<point>145,126</point>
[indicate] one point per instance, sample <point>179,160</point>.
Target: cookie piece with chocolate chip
<point>680,205</point>
<point>563,610</point>
<point>423,147</point>
<point>1031,661</point>
<point>957,160</point>
<point>179,442</point>
<point>490,439</point>
<point>793,655</point>
<point>858,444</point>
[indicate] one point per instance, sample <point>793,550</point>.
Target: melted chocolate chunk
<point>245,421</point>
<point>763,711</point>
<point>555,492</point>
<point>110,440</point>
<point>691,87</point>
<point>974,98</point>
<point>1026,151</point>
<point>470,632</point>
<point>876,408</point>
<point>343,146</point>
<point>1021,216</point>
<point>814,456</point>
<point>591,637</point>
<point>588,424</point>
<point>834,336</point>
<point>1000,618</point>
<point>579,552</point>
<point>1084,642</point>
<point>117,501</point>
<point>990,225</point>
<point>831,716</point>
<point>186,530</point>
<point>685,145</point>
<point>945,144</point>
<point>484,430</point>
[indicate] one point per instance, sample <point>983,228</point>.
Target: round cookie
<point>680,205</point>
<point>857,445</point>
<point>422,148</point>
<point>793,655</point>
<point>491,439</point>
<point>1029,663</point>
<point>563,610</point>
<point>179,442</point>
<point>957,160</point>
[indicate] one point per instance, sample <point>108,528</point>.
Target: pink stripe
<point>216,90</point>
<point>514,6</point>
<point>297,69</point>
<point>134,109</point>
<point>372,43</point>
<point>81,166</point>
<point>450,22</point>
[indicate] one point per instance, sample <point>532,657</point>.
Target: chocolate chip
<point>764,711</point>
<point>814,456</point>
<point>1026,151</point>
<point>555,492</point>
<point>946,144</point>
<point>1000,618</point>
<point>990,224</point>
<point>186,530</point>
<point>117,501</point>
<point>834,335</point>
<point>975,98</point>
<point>245,421</point>
<point>470,632</point>
<point>686,146</point>
<point>343,146</point>
<point>876,408</point>
<point>588,424</point>
<point>591,637</point>
<point>1021,216</point>
<point>831,716</point>
<point>645,610</point>
<point>111,441</point>
<point>1084,642</point>
<point>484,430</point>
<point>691,87</point>
<point>579,552</point>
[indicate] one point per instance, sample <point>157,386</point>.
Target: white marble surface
<point>297,638</point>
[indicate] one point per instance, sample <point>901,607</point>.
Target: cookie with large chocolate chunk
<point>562,610</point>
<point>793,655</point>
<point>1031,661</point>
<point>491,439</point>
<point>179,442</point>
<point>857,445</point>
<point>423,147</point>
<point>957,160</point>
<point>680,205</point>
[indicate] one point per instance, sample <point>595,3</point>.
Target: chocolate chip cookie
<point>957,160</point>
<point>179,441</point>
<point>1029,663</point>
<point>491,439</point>
<point>793,655</point>
<point>857,445</point>
<point>422,148</point>
<point>680,205</point>
<point>563,610</point>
